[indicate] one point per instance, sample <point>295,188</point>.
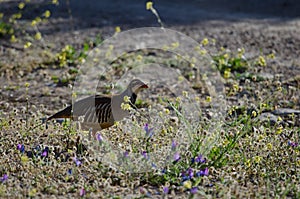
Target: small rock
<point>268,117</point>
<point>285,111</point>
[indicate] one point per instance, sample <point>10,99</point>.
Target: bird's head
<point>136,85</point>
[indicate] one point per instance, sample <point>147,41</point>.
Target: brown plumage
<point>100,112</point>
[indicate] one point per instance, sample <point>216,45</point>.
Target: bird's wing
<point>95,109</point>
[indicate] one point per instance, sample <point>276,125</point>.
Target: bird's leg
<point>90,134</point>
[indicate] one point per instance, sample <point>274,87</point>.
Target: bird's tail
<point>65,113</point>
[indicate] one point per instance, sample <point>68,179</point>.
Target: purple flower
<point>126,154</point>
<point>69,171</point>
<point>174,145</point>
<point>292,144</point>
<point>77,161</point>
<point>166,190</point>
<point>149,132</point>
<point>200,159</point>
<point>143,190</point>
<point>82,192</point>
<point>176,157</point>
<point>144,154</point>
<point>4,178</point>
<point>45,152</point>
<point>183,173</point>
<point>190,172</point>
<point>185,178</point>
<point>202,172</point>
<point>194,190</point>
<point>21,148</point>
<point>99,137</point>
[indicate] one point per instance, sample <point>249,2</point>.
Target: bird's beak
<point>144,86</point>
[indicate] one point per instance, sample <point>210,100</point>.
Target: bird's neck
<point>130,94</point>
<point>117,100</point>
<point>133,98</point>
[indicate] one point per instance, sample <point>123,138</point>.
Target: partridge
<point>100,112</point>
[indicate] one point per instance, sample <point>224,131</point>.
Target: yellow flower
<point>225,142</point>
<point>203,52</point>
<point>33,22</point>
<point>208,99</point>
<point>167,111</point>
<point>117,29</point>
<point>126,106</point>
<point>197,48</point>
<point>271,56</point>
<point>241,52</point>
<point>27,44</point>
<point>279,88</point>
<point>235,87</point>
<point>261,137</point>
<point>38,36</point>
<point>175,44</point>
<point>298,163</point>
<point>160,114</point>
<point>74,95</point>
<point>55,2</point>
<point>279,130</point>
<point>21,5</point>
<point>47,14</point>
<point>187,184</point>
<point>262,61</point>
<point>204,42</point>
<point>126,99</point>
<point>180,78</point>
<point>269,146</point>
<point>1,15</point>
<point>24,159</point>
<point>17,16</point>
<point>254,114</point>
<point>185,93</point>
<point>32,192</point>
<point>222,61</point>
<point>248,163</point>
<point>149,5</point>
<point>263,105</point>
<point>139,58</point>
<point>13,39</point>
<point>213,41</point>
<point>257,159</point>
<point>36,21</point>
<point>227,74</point>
